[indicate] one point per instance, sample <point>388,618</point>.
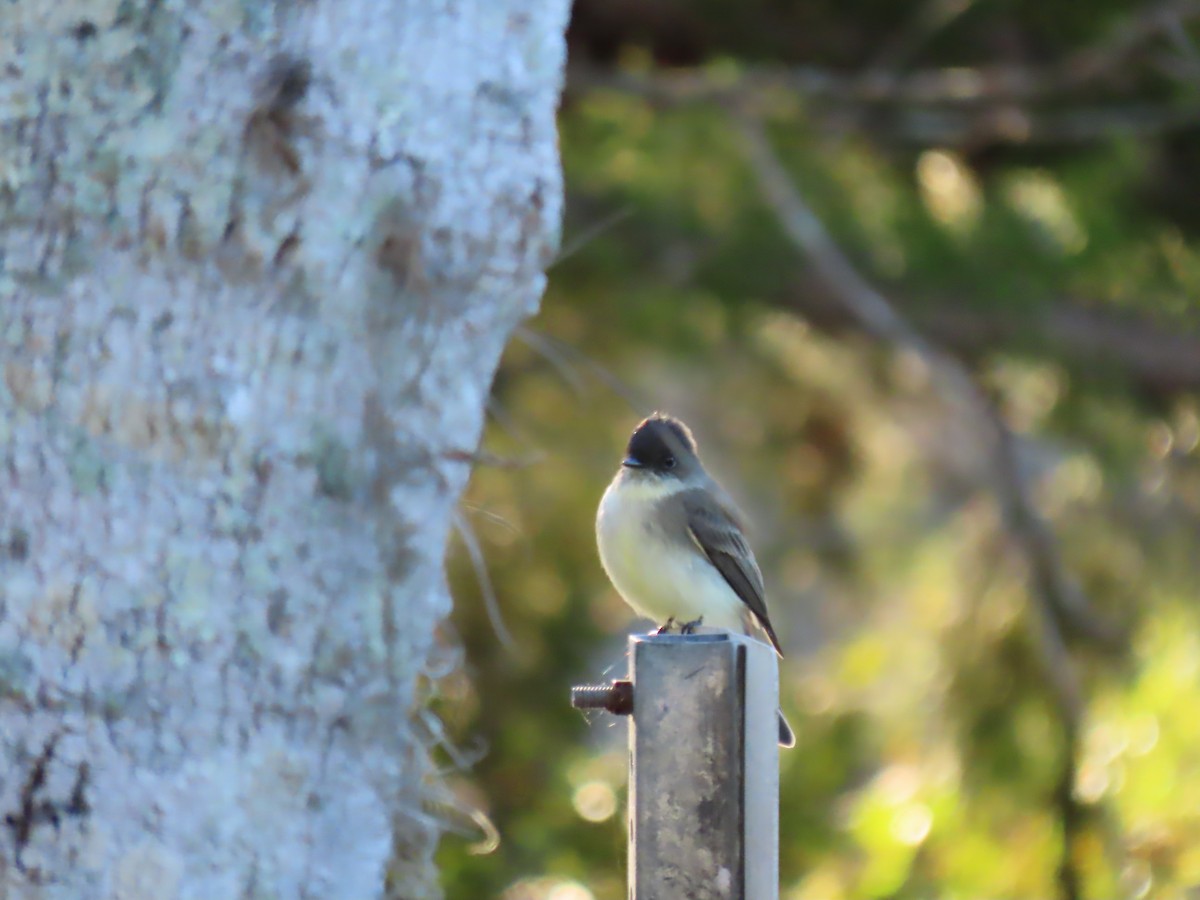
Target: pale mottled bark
<point>257,264</point>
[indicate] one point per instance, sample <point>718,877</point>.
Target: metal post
<point>704,769</point>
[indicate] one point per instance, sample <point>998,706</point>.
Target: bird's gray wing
<point>717,533</point>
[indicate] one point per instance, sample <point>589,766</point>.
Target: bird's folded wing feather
<point>718,535</point>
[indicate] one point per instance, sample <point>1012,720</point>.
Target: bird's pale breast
<point>660,578</point>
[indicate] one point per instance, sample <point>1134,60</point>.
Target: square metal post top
<point>704,768</point>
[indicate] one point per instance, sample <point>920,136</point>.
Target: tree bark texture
<point>258,261</point>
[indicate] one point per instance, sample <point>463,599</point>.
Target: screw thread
<point>617,697</point>
<point>591,696</point>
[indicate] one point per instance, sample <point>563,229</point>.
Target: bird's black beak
<point>632,462</point>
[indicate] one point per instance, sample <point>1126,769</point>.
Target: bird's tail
<point>787,737</point>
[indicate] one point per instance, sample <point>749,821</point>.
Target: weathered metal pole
<point>703,766</point>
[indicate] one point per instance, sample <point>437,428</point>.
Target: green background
<point>1043,232</point>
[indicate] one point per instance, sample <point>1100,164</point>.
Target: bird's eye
<point>669,462</point>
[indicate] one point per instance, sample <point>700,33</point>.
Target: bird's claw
<point>690,627</point>
<point>666,627</point>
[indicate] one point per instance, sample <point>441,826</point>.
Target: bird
<point>672,543</point>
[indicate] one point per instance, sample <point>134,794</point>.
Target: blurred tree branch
<point>931,17</point>
<point>997,103</point>
<point>960,109</point>
<point>975,107</point>
<point>1060,606</point>
<point>1154,358</point>
<point>880,83</point>
<point>878,317</point>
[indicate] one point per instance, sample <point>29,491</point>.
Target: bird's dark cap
<point>658,441</point>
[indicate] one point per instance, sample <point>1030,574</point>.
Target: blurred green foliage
<point>930,748</point>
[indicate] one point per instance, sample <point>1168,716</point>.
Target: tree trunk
<point>257,265</point>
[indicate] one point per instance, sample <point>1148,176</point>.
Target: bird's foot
<point>690,627</point>
<point>666,627</point>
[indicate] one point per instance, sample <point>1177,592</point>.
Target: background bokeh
<point>1021,182</point>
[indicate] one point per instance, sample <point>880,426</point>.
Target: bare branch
<point>878,317</point>
<point>490,601</point>
<point>931,17</point>
<point>463,818</point>
<point>1013,123</point>
<point>589,234</point>
<point>999,103</point>
<point>563,356</point>
<point>951,107</point>
<point>490,460</point>
<point>565,368</point>
<point>1001,83</point>
<point>1157,358</point>
<point>865,304</point>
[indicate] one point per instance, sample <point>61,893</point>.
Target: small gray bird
<point>671,542</point>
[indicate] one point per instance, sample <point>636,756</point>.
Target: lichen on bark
<point>257,265</point>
